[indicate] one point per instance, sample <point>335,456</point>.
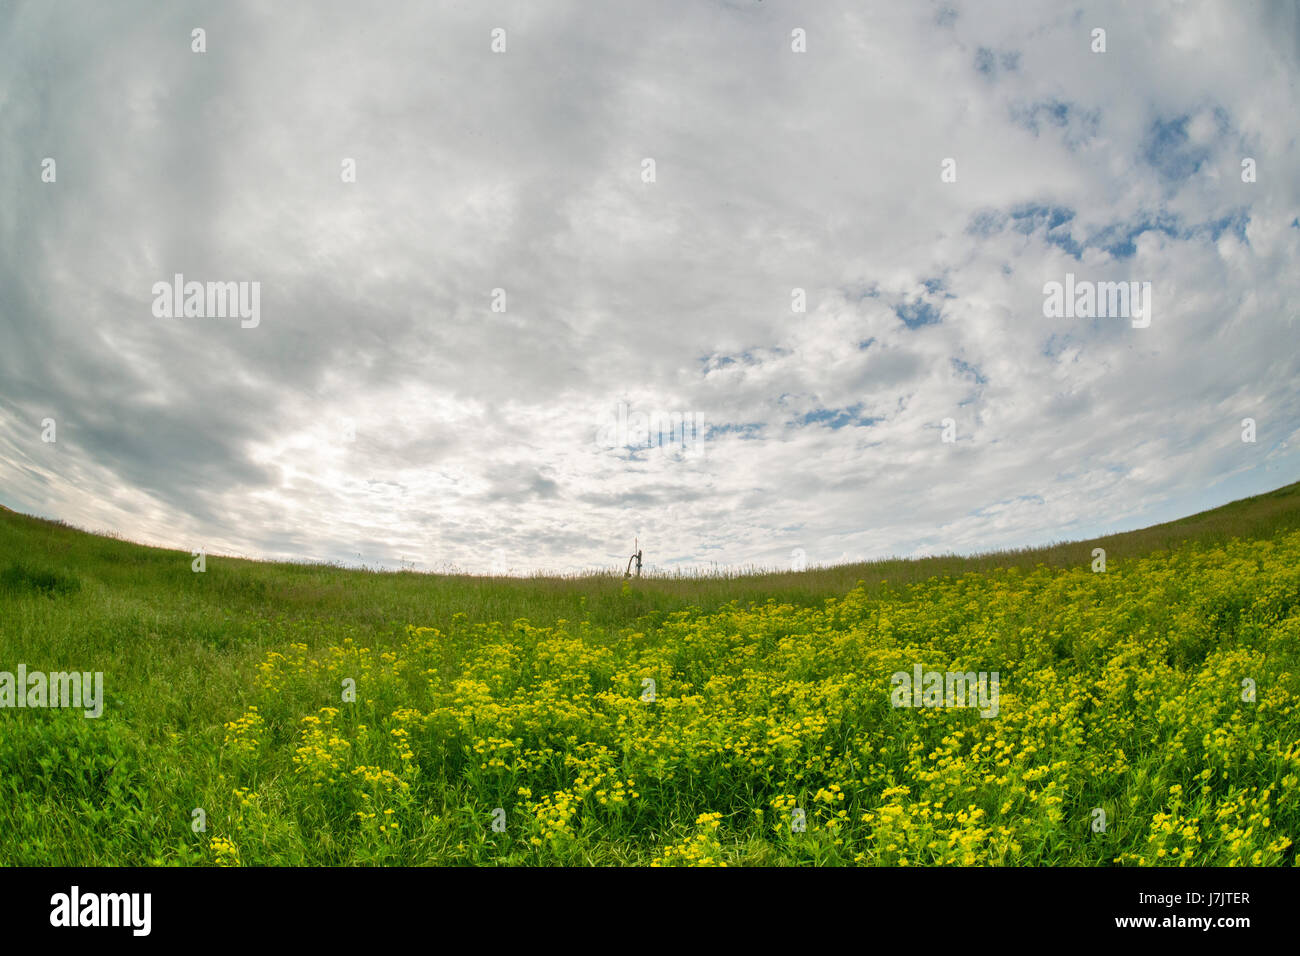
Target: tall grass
<point>180,651</point>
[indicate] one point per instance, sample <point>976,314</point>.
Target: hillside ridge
<point>1254,516</point>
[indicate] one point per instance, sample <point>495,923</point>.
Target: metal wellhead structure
<point>636,556</point>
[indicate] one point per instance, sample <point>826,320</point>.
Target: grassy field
<point>734,719</point>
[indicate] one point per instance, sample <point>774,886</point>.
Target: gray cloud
<point>382,411</point>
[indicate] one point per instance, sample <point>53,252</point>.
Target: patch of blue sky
<point>918,313</point>
<point>836,418</point>
<point>745,430</point>
<point>987,61</point>
<point>965,368</point>
<point>1169,150</point>
<point>1117,238</point>
<point>1077,125</point>
<point>935,286</point>
<point>748,357</point>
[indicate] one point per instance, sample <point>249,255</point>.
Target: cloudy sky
<point>602,213</point>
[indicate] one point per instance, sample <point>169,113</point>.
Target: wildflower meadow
<point>1146,715</point>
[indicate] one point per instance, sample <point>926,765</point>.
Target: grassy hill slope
<point>1121,691</point>
<point>162,580</point>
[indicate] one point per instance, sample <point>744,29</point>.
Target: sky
<point>490,243</point>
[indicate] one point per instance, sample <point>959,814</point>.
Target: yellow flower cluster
<point>323,754</point>
<point>224,852</point>
<point>243,735</point>
<point>702,849</point>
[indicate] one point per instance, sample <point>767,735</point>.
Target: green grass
<point>127,577</point>
<point>180,654</point>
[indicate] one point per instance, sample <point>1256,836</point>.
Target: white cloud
<point>475,431</point>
